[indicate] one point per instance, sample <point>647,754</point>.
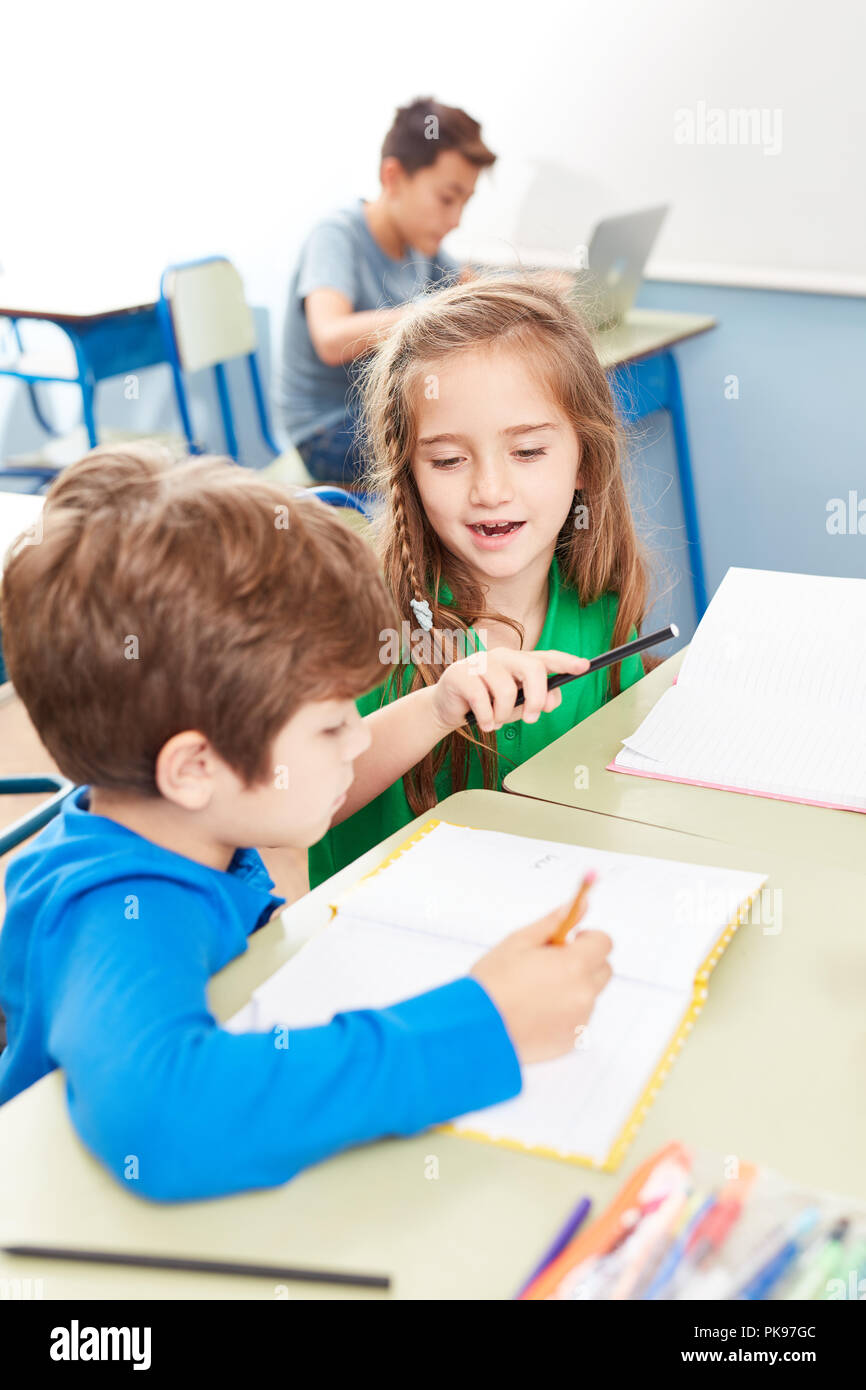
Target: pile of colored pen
<point>694,1226</point>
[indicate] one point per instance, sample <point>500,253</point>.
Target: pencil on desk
<point>576,911</point>
<point>193,1266</point>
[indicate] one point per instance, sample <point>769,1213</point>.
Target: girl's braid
<point>392,443</point>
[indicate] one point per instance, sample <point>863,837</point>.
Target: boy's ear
<point>391,173</point>
<point>186,768</point>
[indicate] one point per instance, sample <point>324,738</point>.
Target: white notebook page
<point>427,917</point>
<point>771,696</point>
<point>476,886</point>
<point>577,1105</point>
<point>772,638</point>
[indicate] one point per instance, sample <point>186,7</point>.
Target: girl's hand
<point>488,683</point>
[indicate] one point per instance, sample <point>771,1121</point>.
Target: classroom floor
<point>21,752</point>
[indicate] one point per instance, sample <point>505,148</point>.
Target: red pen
<point>713,1229</point>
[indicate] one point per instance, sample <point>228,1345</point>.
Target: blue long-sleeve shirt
<point>105,953</point>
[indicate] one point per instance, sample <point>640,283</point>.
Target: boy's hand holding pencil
<point>545,995</point>
<point>576,912</point>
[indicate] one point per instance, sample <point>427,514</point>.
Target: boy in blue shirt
<point>189,642</point>
<point>360,266</point>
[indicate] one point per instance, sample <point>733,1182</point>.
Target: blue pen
<point>769,1274</point>
<point>573,1224</point>
<point>668,1268</point>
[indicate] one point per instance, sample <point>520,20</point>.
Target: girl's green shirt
<point>568,627</point>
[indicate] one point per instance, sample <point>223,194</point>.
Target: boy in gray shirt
<point>360,266</point>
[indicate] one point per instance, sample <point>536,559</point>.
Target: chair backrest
<point>22,829</point>
<point>339,497</point>
<point>210,316</point>
<point>351,508</point>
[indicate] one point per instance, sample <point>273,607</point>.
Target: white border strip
<point>758,278</point>
<point>504,253</point>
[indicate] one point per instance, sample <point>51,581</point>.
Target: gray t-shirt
<point>340,253</point>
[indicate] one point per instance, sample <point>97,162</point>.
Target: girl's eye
<point>337,729</point>
<point>519,453</point>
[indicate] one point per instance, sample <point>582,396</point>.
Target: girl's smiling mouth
<point>493,535</point>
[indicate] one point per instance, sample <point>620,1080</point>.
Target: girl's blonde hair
<point>531,315</point>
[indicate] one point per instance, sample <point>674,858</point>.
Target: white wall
<point>137,135</point>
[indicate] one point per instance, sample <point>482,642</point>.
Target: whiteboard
<point>749,118</point>
<point>277,118</point>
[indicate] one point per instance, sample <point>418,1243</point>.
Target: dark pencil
<point>610,658</point>
<point>111,1257</point>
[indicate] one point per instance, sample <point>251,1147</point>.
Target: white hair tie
<point>421,609</point>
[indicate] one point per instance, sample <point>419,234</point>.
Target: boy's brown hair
<point>198,596</point>
<point>410,139</point>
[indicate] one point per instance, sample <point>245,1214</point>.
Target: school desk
<point>112,331</point>
<point>642,368</point>
<point>774,1071</point>
<point>572,771</point>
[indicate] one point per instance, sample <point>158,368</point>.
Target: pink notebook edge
<point>744,791</point>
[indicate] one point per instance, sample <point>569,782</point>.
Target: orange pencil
<point>575,912</point>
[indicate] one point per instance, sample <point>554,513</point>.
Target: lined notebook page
<point>476,886</point>
<point>577,1105</point>
<point>771,696</point>
<point>427,917</point>
<point>796,757</point>
<point>782,640</point>
<point>355,965</point>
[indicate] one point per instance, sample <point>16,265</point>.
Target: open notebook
<point>450,893</point>
<point>771,696</point>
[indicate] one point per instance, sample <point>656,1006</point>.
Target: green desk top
<point>645,331</point>
<point>831,837</point>
<point>642,331</point>
<point>774,1071</point>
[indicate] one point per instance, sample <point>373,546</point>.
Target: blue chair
<point>30,478</point>
<point>337,497</point>
<point>72,368</point>
<point>206,323</point>
<point>16,362</point>
<point>28,825</point>
<point>96,344</point>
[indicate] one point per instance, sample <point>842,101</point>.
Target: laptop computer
<point>619,249</point>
